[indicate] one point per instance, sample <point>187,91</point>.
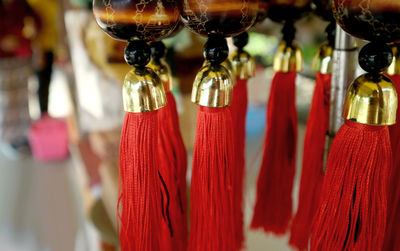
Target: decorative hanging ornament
<point>315,137</point>
<point>172,162</point>
<point>392,242</point>
<point>353,210</point>
<point>273,209</point>
<point>213,224</point>
<point>283,10</point>
<point>140,209</point>
<point>243,66</point>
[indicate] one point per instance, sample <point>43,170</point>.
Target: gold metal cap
<point>243,64</point>
<point>163,71</point>
<point>394,68</point>
<point>371,100</point>
<point>228,66</point>
<point>322,61</point>
<point>288,58</point>
<point>143,91</point>
<point>212,87</point>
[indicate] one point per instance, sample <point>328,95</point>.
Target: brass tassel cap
<point>322,61</point>
<point>161,68</point>
<point>394,68</point>
<point>229,66</point>
<point>288,58</point>
<point>372,100</point>
<point>212,86</point>
<point>243,64</point>
<point>143,91</point>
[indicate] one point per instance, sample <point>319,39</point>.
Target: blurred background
<point>61,114</point>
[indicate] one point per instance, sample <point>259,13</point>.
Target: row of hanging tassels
<point>337,208</point>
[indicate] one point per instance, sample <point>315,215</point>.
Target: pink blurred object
<point>48,138</point>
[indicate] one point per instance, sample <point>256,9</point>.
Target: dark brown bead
<point>377,20</point>
<point>282,10</point>
<point>227,17</point>
<point>262,11</point>
<point>148,20</point>
<point>324,9</point>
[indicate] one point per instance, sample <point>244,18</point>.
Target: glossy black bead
<point>216,49</point>
<point>375,57</point>
<point>289,31</point>
<point>137,53</point>
<point>331,33</point>
<point>157,49</point>
<point>241,40</point>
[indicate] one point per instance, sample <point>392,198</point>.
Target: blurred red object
<point>48,138</point>
<point>19,25</point>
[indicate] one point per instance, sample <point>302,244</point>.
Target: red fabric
<point>313,162</point>
<point>352,211</point>
<point>212,219</point>
<point>139,201</point>
<point>239,111</point>
<point>273,209</point>
<point>172,168</point>
<point>392,240</point>
<point>12,23</point>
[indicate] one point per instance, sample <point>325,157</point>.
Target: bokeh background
<point>70,204</point>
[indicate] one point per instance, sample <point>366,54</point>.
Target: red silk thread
<point>273,209</point>
<point>353,206</point>
<point>313,163</point>
<point>212,215</point>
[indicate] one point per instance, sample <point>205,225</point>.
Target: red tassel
<point>212,219</point>
<point>172,166</point>
<point>392,240</point>
<point>352,212</point>
<point>239,111</point>
<point>139,200</point>
<point>313,163</point>
<point>273,208</point>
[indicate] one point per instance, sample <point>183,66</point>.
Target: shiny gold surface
<point>322,61</point>
<point>212,87</point>
<point>143,91</point>
<point>243,64</point>
<point>163,71</point>
<point>228,65</point>
<point>394,68</point>
<point>288,58</point>
<point>371,100</point>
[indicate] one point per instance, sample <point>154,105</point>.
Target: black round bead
<point>289,31</point>
<point>157,49</point>
<point>331,33</point>
<point>241,40</point>
<point>375,57</point>
<point>137,53</point>
<point>216,49</point>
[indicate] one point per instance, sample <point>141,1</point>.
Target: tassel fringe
<point>313,163</point>
<point>172,168</point>
<point>139,205</point>
<point>239,111</point>
<point>352,212</point>
<point>273,209</point>
<point>392,240</point>
<point>212,215</point>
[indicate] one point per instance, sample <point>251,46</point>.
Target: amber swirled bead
<point>149,20</point>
